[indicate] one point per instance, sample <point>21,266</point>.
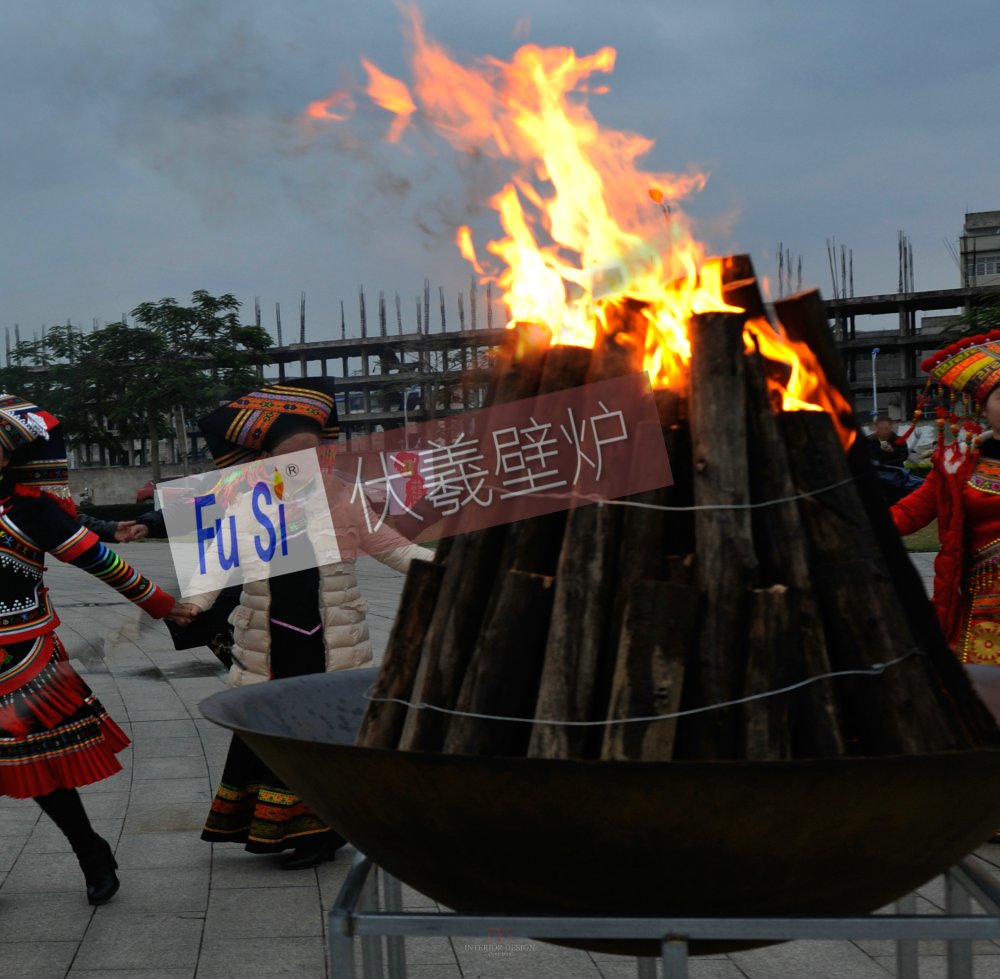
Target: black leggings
<point>65,808</point>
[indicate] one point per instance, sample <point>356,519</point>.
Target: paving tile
<point>234,867</point>
<point>43,873</point>
<point>171,767</point>
<point>105,805</point>
<point>155,730</point>
<point>698,968</point>
<point>160,890</point>
<point>169,748</point>
<point>163,849</point>
<point>36,960</point>
<point>257,958</point>
<point>180,818</point>
<point>155,792</point>
<point>159,973</point>
<point>45,917</point>
<point>817,960</point>
<point>140,941</point>
<point>280,912</point>
<point>487,958</point>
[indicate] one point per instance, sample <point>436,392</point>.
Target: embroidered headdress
<point>33,438</point>
<point>244,429</point>
<point>962,375</point>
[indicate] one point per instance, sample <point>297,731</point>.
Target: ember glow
<point>584,227</point>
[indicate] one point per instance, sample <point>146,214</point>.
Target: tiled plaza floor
<point>187,909</point>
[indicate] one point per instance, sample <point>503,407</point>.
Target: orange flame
<point>337,107</point>
<point>391,94</point>
<point>584,227</point>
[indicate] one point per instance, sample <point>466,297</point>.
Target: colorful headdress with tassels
<point>239,433</point>
<point>962,375</point>
<point>241,430</point>
<point>38,464</point>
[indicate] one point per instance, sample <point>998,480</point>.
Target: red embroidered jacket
<point>30,526</point>
<point>963,492</point>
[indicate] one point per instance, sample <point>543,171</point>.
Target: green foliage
<point>981,318</point>
<point>131,378</point>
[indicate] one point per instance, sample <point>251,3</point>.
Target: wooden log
<point>505,679</point>
<point>383,721</point>
<point>658,631</point>
<point>901,711</point>
<point>726,561</point>
<point>771,652</point>
<point>804,319</point>
<point>782,550</point>
<point>584,597</point>
<point>533,544</point>
<point>454,620</point>
<point>472,562</point>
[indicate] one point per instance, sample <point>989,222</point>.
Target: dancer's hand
<point>183,613</point>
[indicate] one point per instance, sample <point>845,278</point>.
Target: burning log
<point>804,320</point>
<point>771,649</point>
<point>383,721</point>
<point>782,549</point>
<point>454,622</point>
<point>584,595</point>
<point>864,620</point>
<point>504,680</point>
<point>659,626</point>
<point>726,559</point>
<point>782,570</point>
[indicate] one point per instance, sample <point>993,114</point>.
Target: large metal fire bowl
<point>524,835</point>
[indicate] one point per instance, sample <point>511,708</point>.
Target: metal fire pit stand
<point>356,913</point>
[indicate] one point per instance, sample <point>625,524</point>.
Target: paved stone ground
<point>188,909</point>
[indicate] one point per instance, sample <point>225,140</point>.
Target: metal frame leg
<point>340,933</point>
<point>646,968</point>
<point>371,945</point>
<point>395,947</point>
<point>957,901</point>
<point>907,949</point>
<point>675,958</point>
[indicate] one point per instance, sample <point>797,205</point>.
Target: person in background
<point>883,445</point>
<point>309,621</point>
<point>54,733</point>
<point>962,491</point>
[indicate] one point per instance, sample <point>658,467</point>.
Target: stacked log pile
<point>605,613</point>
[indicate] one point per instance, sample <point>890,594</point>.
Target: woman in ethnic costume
<point>309,621</point>
<point>54,733</point>
<point>963,492</point>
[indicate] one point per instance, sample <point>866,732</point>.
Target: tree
<point>176,359</point>
<point>981,318</point>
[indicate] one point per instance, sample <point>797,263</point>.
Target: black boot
<point>65,808</point>
<point>98,864</point>
<point>312,854</point>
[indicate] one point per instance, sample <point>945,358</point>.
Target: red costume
<point>963,493</point>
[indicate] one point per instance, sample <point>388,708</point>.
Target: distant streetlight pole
<point>414,389</point>
<point>875,353</point>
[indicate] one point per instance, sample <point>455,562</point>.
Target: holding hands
<point>128,531</point>
<point>183,613</point>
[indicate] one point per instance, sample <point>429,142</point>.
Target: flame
<point>805,387</point>
<point>337,107</point>
<point>279,485</point>
<point>391,94</point>
<point>588,235</point>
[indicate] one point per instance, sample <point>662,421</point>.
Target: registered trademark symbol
<point>292,470</point>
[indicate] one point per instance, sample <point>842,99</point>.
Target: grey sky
<point>151,148</point>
